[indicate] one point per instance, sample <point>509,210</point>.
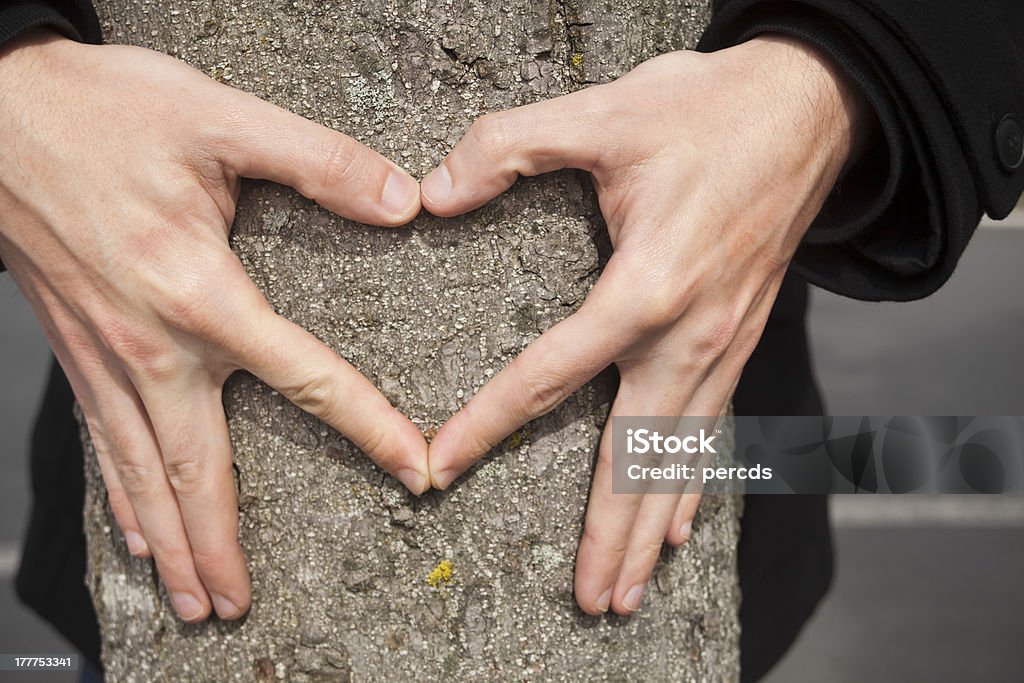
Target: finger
<point>558,363</point>
<point>646,539</point>
<point>563,132</point>
<point>313,377</point>
<point>681,529</point>
<point>621,528</point>
<point>611,517</point>
<point>261,140</point>
<point>656,520</point>
<point>189,423</point>
<point>717,390</point>
<point>117,497</point>
<point>117,423</point>
<point>122,426</point>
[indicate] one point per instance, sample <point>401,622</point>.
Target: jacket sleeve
<point>75,19</point>
<point>946,81</point>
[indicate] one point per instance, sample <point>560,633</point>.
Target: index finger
<point>313,377</point>
<point>257,139</point>
<point>558,363</point>
<point>564,132</point>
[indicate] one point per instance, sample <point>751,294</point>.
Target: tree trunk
<point>347,568</point>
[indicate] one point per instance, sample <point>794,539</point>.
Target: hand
<point>709,170</point>
<point>121,170</point>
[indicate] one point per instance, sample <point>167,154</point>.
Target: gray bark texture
<point>339,553</point>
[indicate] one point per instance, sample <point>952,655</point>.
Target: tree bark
<point>349,572</point>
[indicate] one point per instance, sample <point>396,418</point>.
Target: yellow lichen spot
<point>441,574</point>
<point>577,59</point>
<point>516,439</point>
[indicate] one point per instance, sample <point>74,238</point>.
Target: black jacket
<point>946,81</point>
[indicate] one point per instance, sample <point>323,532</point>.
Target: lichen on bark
<point>343,560</point>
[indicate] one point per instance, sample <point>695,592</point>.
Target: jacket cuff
<point>19,17</point>
<point>896,224</point>
<point>867,188</point>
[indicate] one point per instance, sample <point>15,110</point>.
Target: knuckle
<point>540,393</point>
<point>187,475</point>
<point>190,302</point>
<point>609,548</point>
<point>132,344</point>
<point>479,445</point>
<point>173,558</point>
<point>317,395</point>
<point>119,505</point>
<point>185,306</point>
<point>478,441</point>
<point>341,161</point>
<point>492,135</point>
<point>158,365</point>
<point>375,441</point>
<point>147,350</point>
<point>210,562</point>
<point>138,480</point>
<point>717,338</point>
<point>661,306</point>
<point>648,551</point>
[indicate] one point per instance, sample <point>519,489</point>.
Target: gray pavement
<point>917,604</point>
<point>924,590</point>
<point>930,593</point>
<point>958,352</point>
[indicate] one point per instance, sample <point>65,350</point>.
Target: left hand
<point>709,169</point>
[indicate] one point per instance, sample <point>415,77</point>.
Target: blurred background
<point>925,588</point>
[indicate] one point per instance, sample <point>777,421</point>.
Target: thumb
<point>564,132</point>
<point>264,141</point>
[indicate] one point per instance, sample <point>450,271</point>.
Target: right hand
<point>119,172</point>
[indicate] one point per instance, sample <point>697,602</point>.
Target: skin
<point>114,215</point>
<point>709,169</point>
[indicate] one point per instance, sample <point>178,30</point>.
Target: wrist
<point>833,105</point>
<point>19,57</point>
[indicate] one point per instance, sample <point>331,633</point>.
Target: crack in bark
<point>574,40</point>
<point>453,54</point>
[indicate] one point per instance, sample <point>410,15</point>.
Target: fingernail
<point>399,192</point>
<point>136,543</point>
<point>225,608</point>
<point>186,605</point>
<point>443,479</point>
<point>686,530</point>
<point>437,186</point>
<point>633,598</point>
<point>604,601</point>
<point>413,480</point>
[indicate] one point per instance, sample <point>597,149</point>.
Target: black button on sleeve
<point>1010,143</point>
